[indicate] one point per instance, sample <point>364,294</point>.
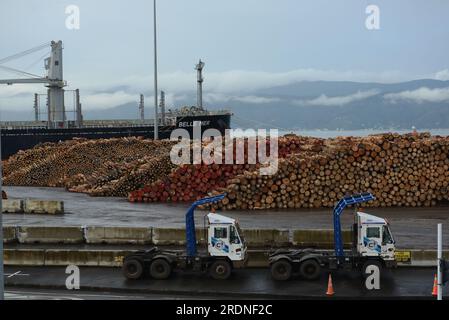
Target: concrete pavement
<point>410,283</point>
<point>412,227</point>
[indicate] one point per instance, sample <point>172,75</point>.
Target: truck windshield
<point>240,233</point>
<point>387,237</point>
<point>234,238</point>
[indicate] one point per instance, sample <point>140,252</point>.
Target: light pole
<point>156,129</point>
<point>2,277</point>
<point>439,258</point>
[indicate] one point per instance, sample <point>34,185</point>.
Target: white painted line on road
<point>18,273</point>
<point>23,295</point>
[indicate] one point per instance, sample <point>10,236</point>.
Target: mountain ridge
<point>422,103</point>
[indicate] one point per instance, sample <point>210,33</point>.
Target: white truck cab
<point>374,238</point>
<point>225,238</point>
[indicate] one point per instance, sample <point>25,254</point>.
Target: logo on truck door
<point>220,245</point>
<point>372,244</point>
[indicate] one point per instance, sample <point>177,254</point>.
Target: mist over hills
<point>312,105</point>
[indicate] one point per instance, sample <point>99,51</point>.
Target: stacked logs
<point>293,144</point>
<point>88,165</point>
<point>400,170</point>
<point>27,158</point>
<point>114,167</point>
<point>190,182</point>
<point>115,180</point>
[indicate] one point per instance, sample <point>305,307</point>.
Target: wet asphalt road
<point>244,284</point>
<point>64,294</point>
<point>412,227</point>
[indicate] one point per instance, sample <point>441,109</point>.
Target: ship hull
<point>14,140</point>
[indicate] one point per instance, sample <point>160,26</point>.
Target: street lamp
<point>2,277</point>
<point>156,129</point>
<point>439,259</point>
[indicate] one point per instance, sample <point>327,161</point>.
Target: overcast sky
<point>246,44</point>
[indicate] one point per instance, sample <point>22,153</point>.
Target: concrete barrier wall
<point>267,237</point>
<point>425,257</point>
<point>9,234</point>
<point>164,236</point>
<point>91,258</point>
<point>24,257</point>
<point>43,206</point>
<point>37,234</point>
<point>174,236</point>
<point>259,241</point>
<point>31,206</point>
<point>114,258</point>
<point>320,238</point>
<point>61,257</point>
<point>253,237</point>
<point>12,206</point>
<point>88,258</point>
<point>117,235</point>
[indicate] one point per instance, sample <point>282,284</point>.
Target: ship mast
<point>142,108</point>
<point>199,96</point>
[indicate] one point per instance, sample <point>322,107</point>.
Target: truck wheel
<point>371,263</point>
<point>160,269</point>
<point>220,270</point>
<point>310,269</point>
<point>132,269</point>
<point>281,270</point>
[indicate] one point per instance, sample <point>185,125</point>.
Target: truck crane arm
<point>190,222</point>
<point>341,205</point>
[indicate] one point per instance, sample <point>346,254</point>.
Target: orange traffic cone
<point>330,288</point>
<point>435,286</point>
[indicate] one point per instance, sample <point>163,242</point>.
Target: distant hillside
<point>348,105</point>
<point>341,88</point>
<point>315,105</point>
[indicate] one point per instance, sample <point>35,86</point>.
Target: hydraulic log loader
<point>372,244</point>
<point>226,250</point>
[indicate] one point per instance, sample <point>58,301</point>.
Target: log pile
<point>117,180</point>
<point>400,170</point>
<point>191,182</point>
<point>188,183</point>
<point>27,158</point>
<point>293,144</point>
<point>109,167</point>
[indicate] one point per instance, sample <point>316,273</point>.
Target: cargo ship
<point>22,135</point>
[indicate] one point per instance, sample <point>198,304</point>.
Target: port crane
<point>54,80</point>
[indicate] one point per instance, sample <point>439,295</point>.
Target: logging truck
<point>225,250</point>
<point>372,245</point>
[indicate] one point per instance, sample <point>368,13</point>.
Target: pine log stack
<point>91,163</point>
<point>188,183</point>
<point>191,182</point>
<point>124,178</point>
<point>26,158</point>
<point>400,170</point>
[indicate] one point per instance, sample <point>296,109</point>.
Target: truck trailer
<point>372,244</point>
<point>225,250</point>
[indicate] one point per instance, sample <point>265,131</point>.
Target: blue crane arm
<point>341,205</point>
<point>190,222</point>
